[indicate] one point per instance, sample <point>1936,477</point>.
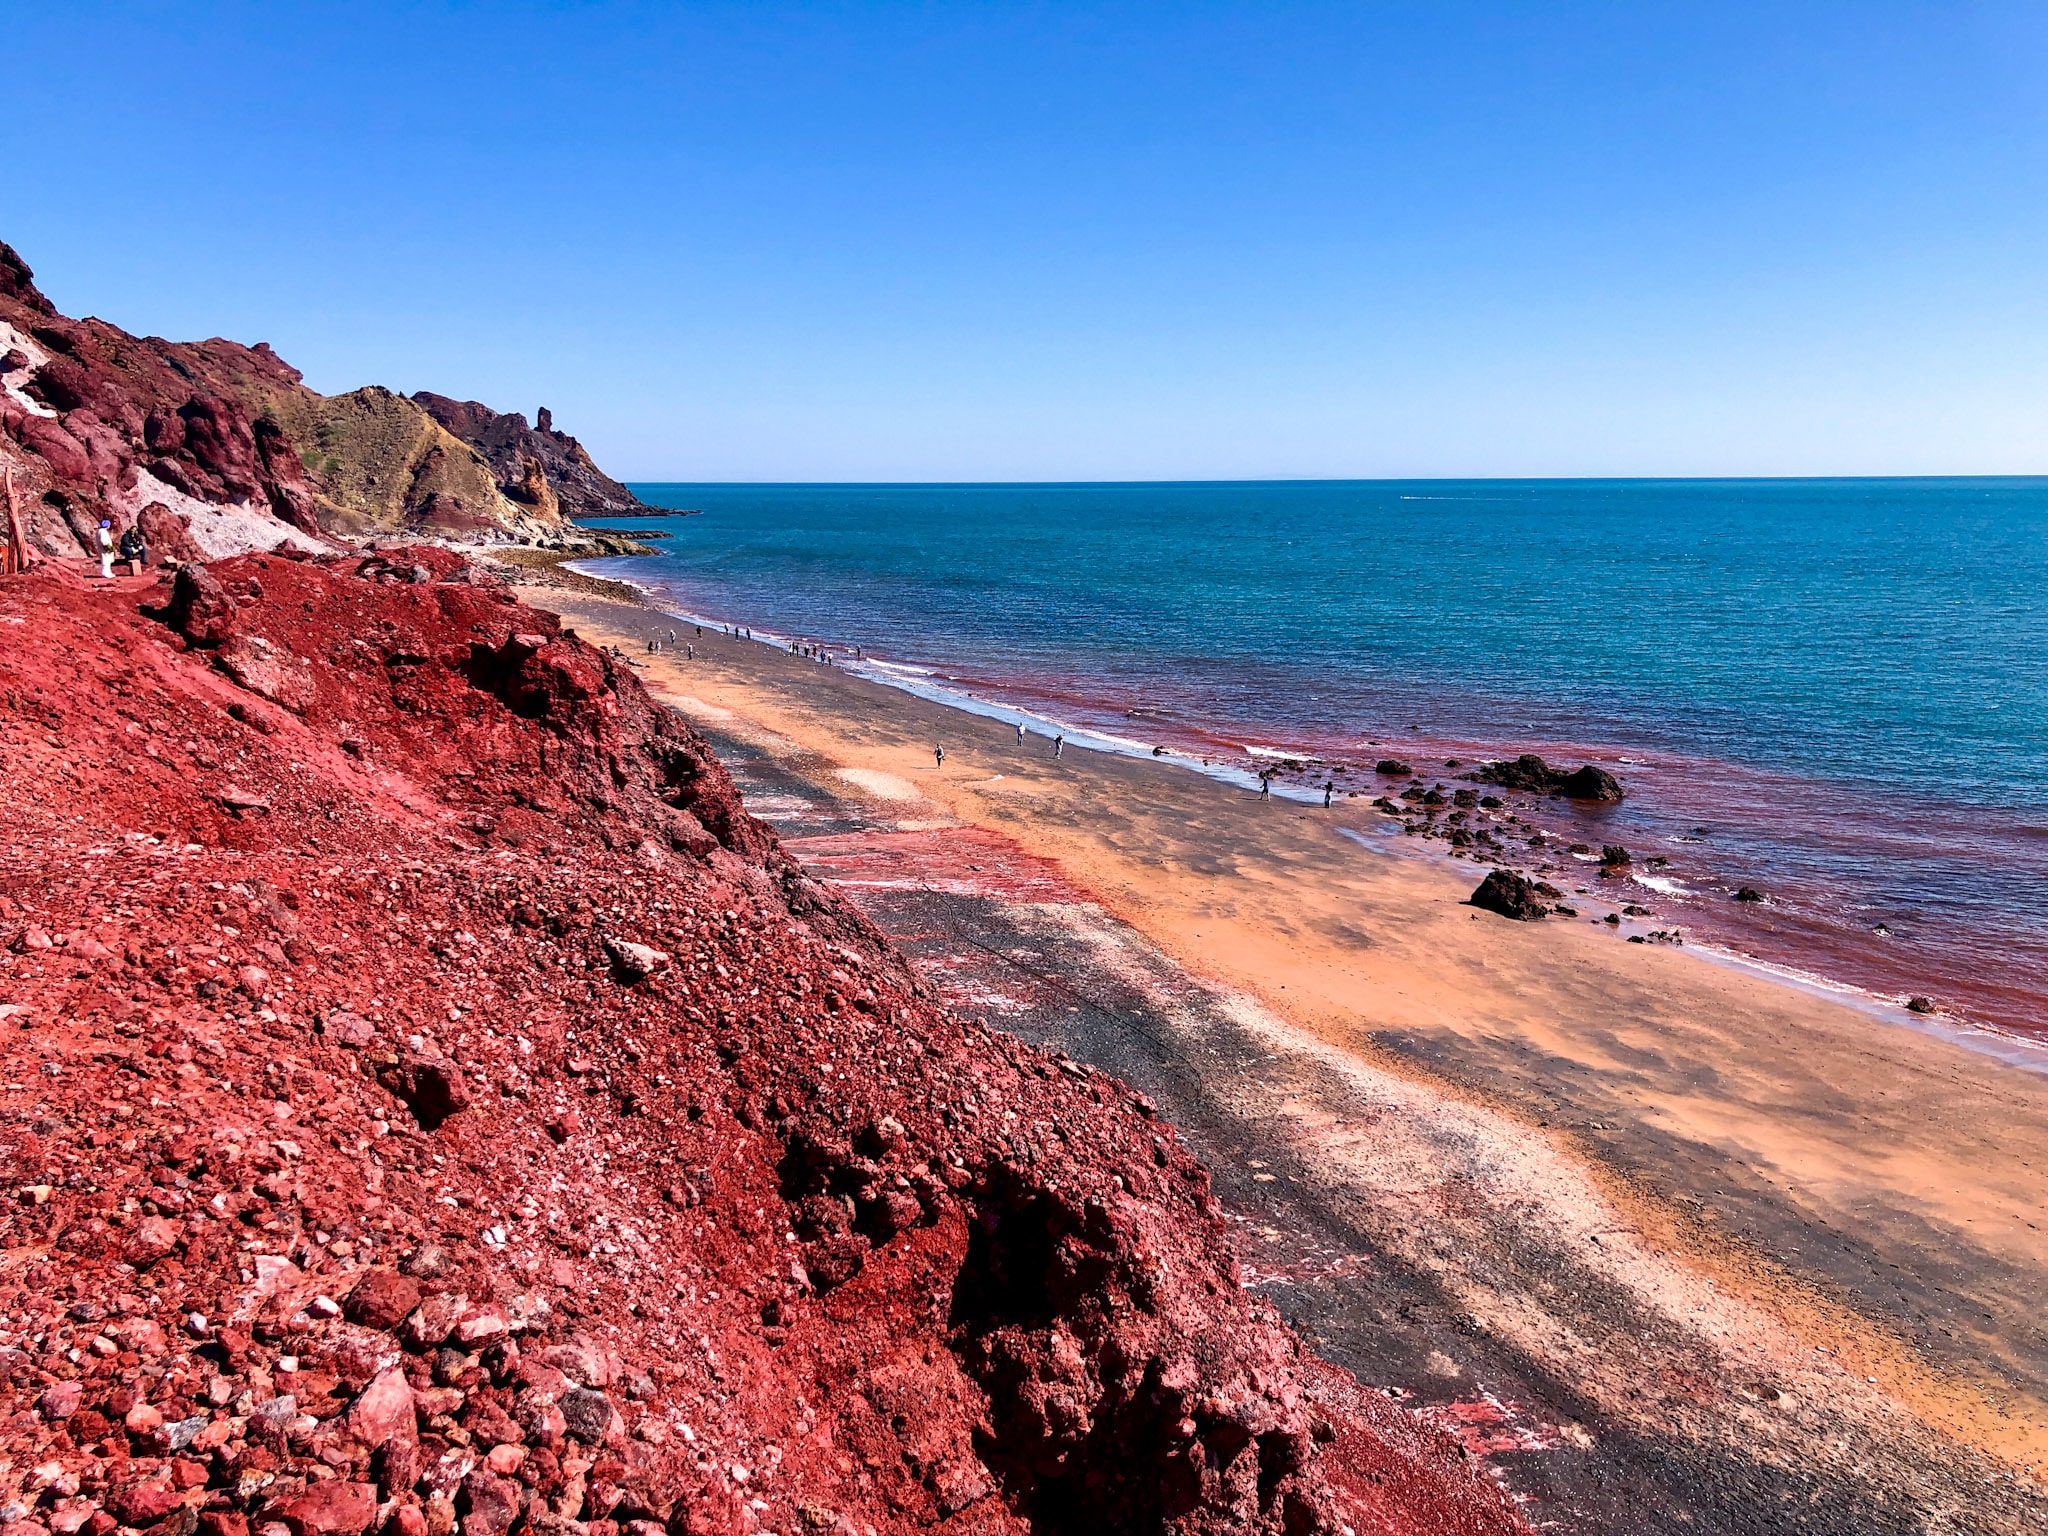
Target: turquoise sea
<point>1835,691</point>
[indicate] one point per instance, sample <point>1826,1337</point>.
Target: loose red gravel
<point>429,1100</point>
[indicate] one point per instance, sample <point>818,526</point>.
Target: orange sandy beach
<point>1785,1253</point>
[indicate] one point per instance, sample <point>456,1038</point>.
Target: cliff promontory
<point>215,448</point>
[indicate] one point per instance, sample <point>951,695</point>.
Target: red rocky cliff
<point>431,1102</point>
<point>535,466</point>
<point>217,448</point>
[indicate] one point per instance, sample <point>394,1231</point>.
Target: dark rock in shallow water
<point>1527,772</point>
<point>1508,894</point>
<point>1614,854</point>
<point>1591,783</point>
<point>1921,1005</point>
<point>1532,775</point>
<point>1391,766</point>
<point>1749,893</point>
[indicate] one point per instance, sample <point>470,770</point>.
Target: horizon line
<point>1380,480</point>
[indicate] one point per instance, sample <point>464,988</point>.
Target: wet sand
<point>1670,1241</point>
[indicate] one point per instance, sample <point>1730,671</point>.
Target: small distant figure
<point>939,755</point>
<point>1266,784</point>
<point>106,549</point>
<point>690,651</point>
<point>1058,742</point>
<point>1328,790</point>
<point>671,637</point>
<point>1020,733</point>
<point>134,550</point>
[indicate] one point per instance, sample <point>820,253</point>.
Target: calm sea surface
<point>1834,691</point>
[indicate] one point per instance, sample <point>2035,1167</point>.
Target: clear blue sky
<point>981,241</point>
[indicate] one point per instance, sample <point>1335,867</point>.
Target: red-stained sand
<point>430,1098</point>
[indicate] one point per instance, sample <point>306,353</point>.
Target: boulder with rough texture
<point>1532,775</point>
<point>200,608</point>
<point>587,1414</point>
<point>382,1411</point>
<point>331,1508</point>
<point>153,1239</point>
<point>634,962</point>
<point>1509,894</point>
<point>382,1298</point>
<point>268,670</point>
<point>168,535</point>
<point>1590,783</point>
<point>1528,773</point>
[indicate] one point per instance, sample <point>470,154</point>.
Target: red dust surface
<point>430,1101</point>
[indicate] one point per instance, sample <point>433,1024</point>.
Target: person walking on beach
<point>1329,789</point>
<point>1266,784</point>
<point>1020,733</point>
<point>939,754</point>
<point>1057,743</point>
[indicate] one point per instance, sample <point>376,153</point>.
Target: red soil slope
<point>428,1098</point>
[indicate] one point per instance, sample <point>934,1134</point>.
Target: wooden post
<point>15,560</point>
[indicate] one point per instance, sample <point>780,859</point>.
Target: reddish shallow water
<point>1832,691</point>
<point>1879,898</point>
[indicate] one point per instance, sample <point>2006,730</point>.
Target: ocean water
<point>1835,691</point>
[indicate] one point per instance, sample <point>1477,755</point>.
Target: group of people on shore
<point>1059,745</point>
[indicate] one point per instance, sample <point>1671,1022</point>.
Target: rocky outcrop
<point>1532,775</point>
<point>536,467</point>
<point>442,1107</point>
<point>218,448</point>
<point>1511,895</point>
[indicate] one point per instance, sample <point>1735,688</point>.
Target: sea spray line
<point>894,675</point>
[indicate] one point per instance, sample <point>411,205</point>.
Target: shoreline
<point>2011,1047</point>
<point>1864,1185</point>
